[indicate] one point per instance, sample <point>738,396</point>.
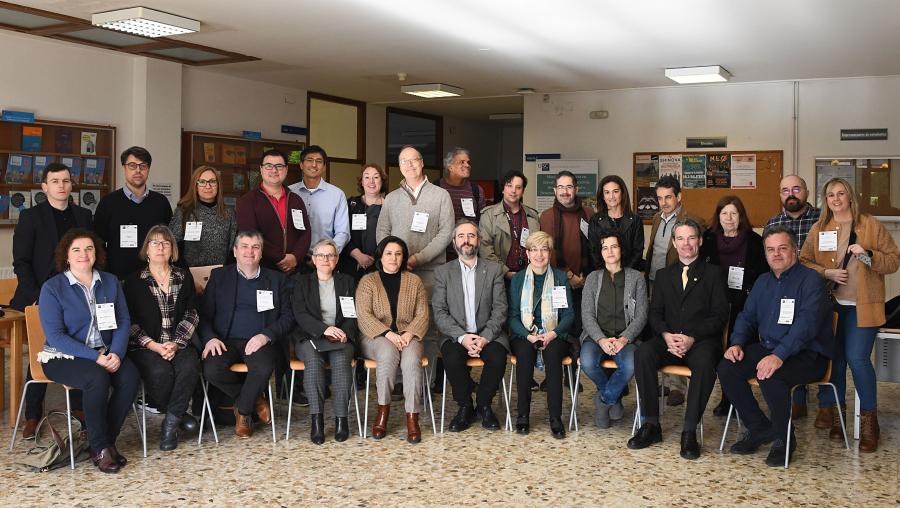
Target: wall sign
<point>720,142</point>
<point>864,134</point>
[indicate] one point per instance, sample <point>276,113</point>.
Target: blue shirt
<point>811,327</point>
<point>134,197</point>
<point>800,226</point>
<point>327,209</point>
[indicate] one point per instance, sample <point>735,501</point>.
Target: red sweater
<point>254,211</point>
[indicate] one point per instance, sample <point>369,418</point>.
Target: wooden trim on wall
<point>360,127</point>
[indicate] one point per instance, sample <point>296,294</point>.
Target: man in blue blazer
<point>245,313</point>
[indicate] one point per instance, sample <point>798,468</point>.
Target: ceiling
<point>355,48</point>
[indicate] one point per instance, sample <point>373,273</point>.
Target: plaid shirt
<point>181,333</point>
<point>800,226</point>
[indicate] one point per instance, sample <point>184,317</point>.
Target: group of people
<point>426,271</point>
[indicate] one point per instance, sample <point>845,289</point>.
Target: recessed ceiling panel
<point>25,20</point>
<point>109,37</point>
<point>191,54</point>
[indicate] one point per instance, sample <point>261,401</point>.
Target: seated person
<point>86,342</point>
<point>326,334</point>
<point>613,313</point>
<point>469,304</point>
<point>688,311</point>
<point>789,311</point>
<point>540,315</point>
<point>392,314</point>
<point>245,310</point>
<point>161,301</point>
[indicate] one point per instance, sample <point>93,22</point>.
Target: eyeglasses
<point>328,256</point>
<point>143,166</point>
<point>160,243</point>
<point>318,162</point>
<point>409,162</point>
<point>786,191</point>
<point>269,166</point>
<point>565,188</point>
<point>207,183</point>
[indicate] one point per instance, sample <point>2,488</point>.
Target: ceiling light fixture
<point>146,22</point>
<point>432,90</point>
<point>692,75</point>
<point>505,116</point>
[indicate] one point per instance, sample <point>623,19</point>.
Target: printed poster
<point>670,165</point>
<point>88,143</point>
<point>90,198</point>
<point>18,202</point>
<point>586,179</point>
<point>718,171</point>
<point>693,171</point>
<point>647,205</point>
<point>646,170</point>
<point>743,171</point>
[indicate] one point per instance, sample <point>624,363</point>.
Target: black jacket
<point>754,265</point>
<point>632,230</point>
<point>34,243</point>
<point>700,310</point>
<point>144,308</point>
<point>308,307</point>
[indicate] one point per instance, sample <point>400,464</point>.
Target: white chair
<point>606,364</point>
<point>298,365</point>
<point>470,362</point>
<point>567,363</point>
<point>240,368</point>
<point>426,401</point>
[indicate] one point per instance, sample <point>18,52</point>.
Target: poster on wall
<point>19,201</point>
<point>646,170</point>
<point>693,171</point>
<point>647,205</point>
<point>586,177</point>
<point>718,171</point>
<point>89,199</point>
<point>670,165</point>
<point>743,171</point>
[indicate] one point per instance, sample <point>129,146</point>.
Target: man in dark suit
<point>34,243</point>
<point>469,303</point>
<point>246,312</point>
<point>688,311</point>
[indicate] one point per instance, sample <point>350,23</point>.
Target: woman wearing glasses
<point>161,301</point>
<point>202,223</point>
<point>326,334</point>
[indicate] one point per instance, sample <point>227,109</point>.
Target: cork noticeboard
<point>751,175</point>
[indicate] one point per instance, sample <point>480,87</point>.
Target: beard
<point>793,204</point>
<point>465,250</point>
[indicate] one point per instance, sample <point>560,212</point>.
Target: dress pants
<point>34,398</point>
<point>702,359</point>
<point>105,413</point>
<point>455,356</point>
<point>802,368</point>
<point>526,356</point>
<point>388,359</point>
<point>169,383</point>
<point>315,382</point>
<point>259,369</point>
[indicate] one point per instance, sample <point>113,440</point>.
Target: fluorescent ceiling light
<point>432,90</point>
<point>690,75</point>
<point>146,22</point>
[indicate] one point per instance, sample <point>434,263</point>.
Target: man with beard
<point>469,302</point>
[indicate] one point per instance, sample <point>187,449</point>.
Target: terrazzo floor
<point>591,467</point>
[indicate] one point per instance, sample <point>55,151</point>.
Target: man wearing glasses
<point>279,214</point>
<point>124,217</point>
<point>326,203</point>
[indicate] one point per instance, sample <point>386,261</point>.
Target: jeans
<point>853,348</point>
<point>609,388</point>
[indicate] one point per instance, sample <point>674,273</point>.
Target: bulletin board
<point>751,175</point>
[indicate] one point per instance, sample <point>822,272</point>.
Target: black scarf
<point>558,210</point>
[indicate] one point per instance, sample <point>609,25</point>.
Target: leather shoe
<point>29,428</point>
<point>463,419</point>
<point>798,411</point>
<point>168,439</point>
<point>823,417</point>
<point>105,461</point>
<point>522,425</point>
<point>488,418</point>
<point>317,428</point>
<point>675,398</point>
<point>188,423</point>
<point>722,408</point>
<point>776,454</point>
<point>379,428</point>
<point>648,434</point>
<point>690,449</point>
<point>341,429</point>
<point>751,441</point>
<point>243,425</point>
<point>557,428</point>
<point>262,409</point>
<point>413,433</point>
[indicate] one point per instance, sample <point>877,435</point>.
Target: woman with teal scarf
<point>540,315</point>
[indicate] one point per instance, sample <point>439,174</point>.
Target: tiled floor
<point>591,467</point>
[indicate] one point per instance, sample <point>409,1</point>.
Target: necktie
<point>684,277</point>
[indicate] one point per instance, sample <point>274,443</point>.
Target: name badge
<point>264,300</point>
<point>106,316</point>
<point>192,231</point>
<point>419,222</point>
<point>358,222</point>
<point>736,277</point>
<point>468,206</point>
<point>524,236</point>
<point>786,313</point>
<point>828,241</point>
<point>128,236</point>
<point>348,308</point>
<point>559,298</point>
<point>297,216</point>
<point>584,228</point>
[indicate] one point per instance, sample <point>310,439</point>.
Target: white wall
<point>482,139</point>
<point>510,149</point>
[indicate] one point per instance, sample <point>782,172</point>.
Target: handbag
<point>831,286</point>
<point>51,447</point>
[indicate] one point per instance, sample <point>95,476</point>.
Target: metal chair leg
<point>19,414</point>
<point>71,438</point>
<point>427,387</point>
<point>142,426</point>
<point>505,399</point>
<point>572,391</point>
<point>443,400</point>
<point>355,389</point>
<point>366,411</point>
<point>637,410</point>
<point>272,411</point>
<point>207,409</point>
<point>725,430</point>
<point>573,414</point>
<point>840,415</point>
<point>287,434</point>
<point>512,377</point>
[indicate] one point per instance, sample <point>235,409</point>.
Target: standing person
<point>34,241</point>
<point>505,226</point>
<point>85,319</point>
<point>163,308</point>
<point>202,222</point>
<point>614,214</point>
<point>358,256</point>
<point>326,203</point>
<point>853,251</point>
<point>731,244</point>
<point>124,217</point>
<point>467,197</point>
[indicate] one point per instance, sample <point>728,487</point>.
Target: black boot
<point>168,439</point>
<point>341,429</point>
<point>317,428</point>
<point>188,423</point>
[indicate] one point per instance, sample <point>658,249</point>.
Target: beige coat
<point>496,238</point>
<point>373,310</point>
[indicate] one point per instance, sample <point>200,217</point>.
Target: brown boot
<point>413,433</point>
<point>379,428</point>
<point>823,417</point>
<point>29,429</point>
<point>869,432</point>
<point>262,409</point>
<point>798,410</point>
<point>243,425</point>
<point>837,431</point>
<point>105,461</point>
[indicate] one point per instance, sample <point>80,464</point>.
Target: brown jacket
<point>373,310</point>
<point>872,236</point>
<point>671,254</point>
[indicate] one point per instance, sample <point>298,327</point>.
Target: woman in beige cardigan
<point>853,252</point>
<point>392,313</point>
